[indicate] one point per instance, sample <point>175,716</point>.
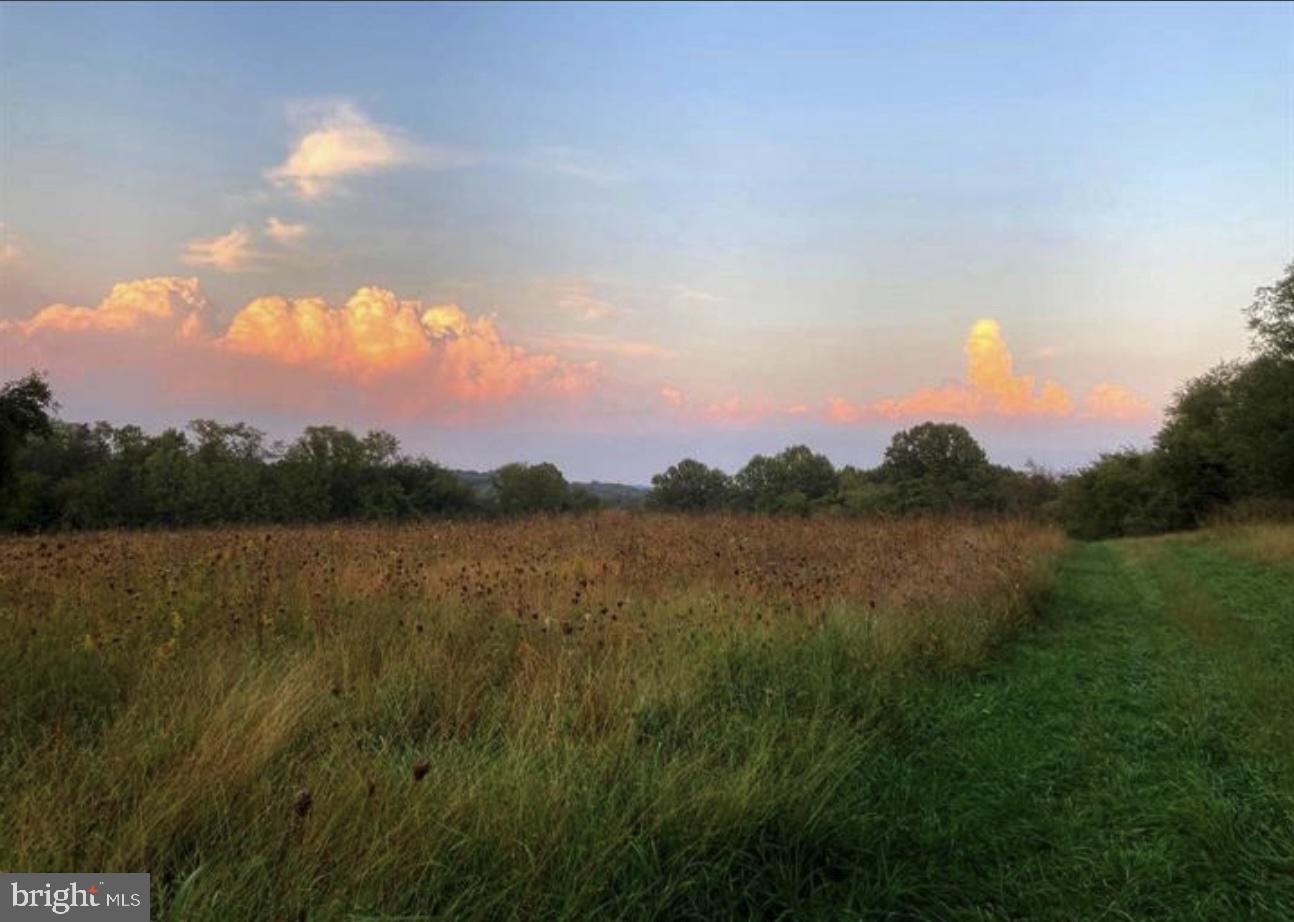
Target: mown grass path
<point>1132,758</point>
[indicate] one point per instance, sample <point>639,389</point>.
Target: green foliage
<point>871,499</point>
<point>24,412</point>
<point>930,468</point>
<point>1261,428</point>
<point>936,451</point>
<point>1032,492</point>
<point>1122,493</point>
<point>690,486</point>
<point>521,489</point>
<point>99,476</point>
<point>1193,451</point>
<point>790,481</point>
<point>939,467</point>
<point>1271,316</point>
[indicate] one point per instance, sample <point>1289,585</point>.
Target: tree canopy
<point>25,407</point>
<point>690,486</point>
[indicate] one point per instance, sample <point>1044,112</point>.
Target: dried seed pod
<point>303,802</point>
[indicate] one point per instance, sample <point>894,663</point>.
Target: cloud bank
<point>376,353</point>
<point>993,389</point>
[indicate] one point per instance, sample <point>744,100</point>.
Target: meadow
<point>612,715</point>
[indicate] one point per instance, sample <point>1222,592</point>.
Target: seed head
<point>301,806</point>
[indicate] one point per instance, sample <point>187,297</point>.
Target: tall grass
<point>615,715</point>
<point>1266,542</point>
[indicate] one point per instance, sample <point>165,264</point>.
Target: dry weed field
<point>617,713</point>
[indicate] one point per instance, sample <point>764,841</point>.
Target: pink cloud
<point>375,352</point>
<point>992,388</point>
<point>672,396</point>
<point>730,411</point>
<point>164,303</point>
<point>1112,401</point>
<point>231,252</point>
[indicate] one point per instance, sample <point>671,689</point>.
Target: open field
<point>643,716</point>
<point>611,715</point>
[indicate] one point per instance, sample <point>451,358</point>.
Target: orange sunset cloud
<point>992,388</point>
<point>141,305</point>
<point>422,359</point>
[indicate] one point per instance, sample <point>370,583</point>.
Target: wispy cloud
<point>237,251</point>
<point>1112,401</point>
<point>9,250</point>
<point>692,297</point>
<point>597,344</point>
<point>732,410</point>
<point>337,141</point>
<point>575,163</point>
<point>285,233</point>
<point>231,252</point>
<point>582,298</point>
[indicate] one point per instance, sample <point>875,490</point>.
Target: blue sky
<point>752,208</point>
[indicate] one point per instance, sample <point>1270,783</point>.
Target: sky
<point>612,236</point>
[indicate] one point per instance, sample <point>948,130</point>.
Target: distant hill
<point>613,494</point>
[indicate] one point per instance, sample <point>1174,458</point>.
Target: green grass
<point>1127,754</point>
<point>1130,760</point>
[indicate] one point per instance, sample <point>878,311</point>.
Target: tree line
<point>60,474</point>
<point>932,467</point>
<point>1227,439</point>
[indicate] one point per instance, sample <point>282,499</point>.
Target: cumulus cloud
<point>992,388</point>
<point>231,252</point>
<point>285,233</point>
<point>385,355</point>
<point>338,141</point>
<point>374,334</point>
<point>371,333</point>
<point>166,305</point>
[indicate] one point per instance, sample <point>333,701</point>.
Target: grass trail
<point>1132,759</point>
